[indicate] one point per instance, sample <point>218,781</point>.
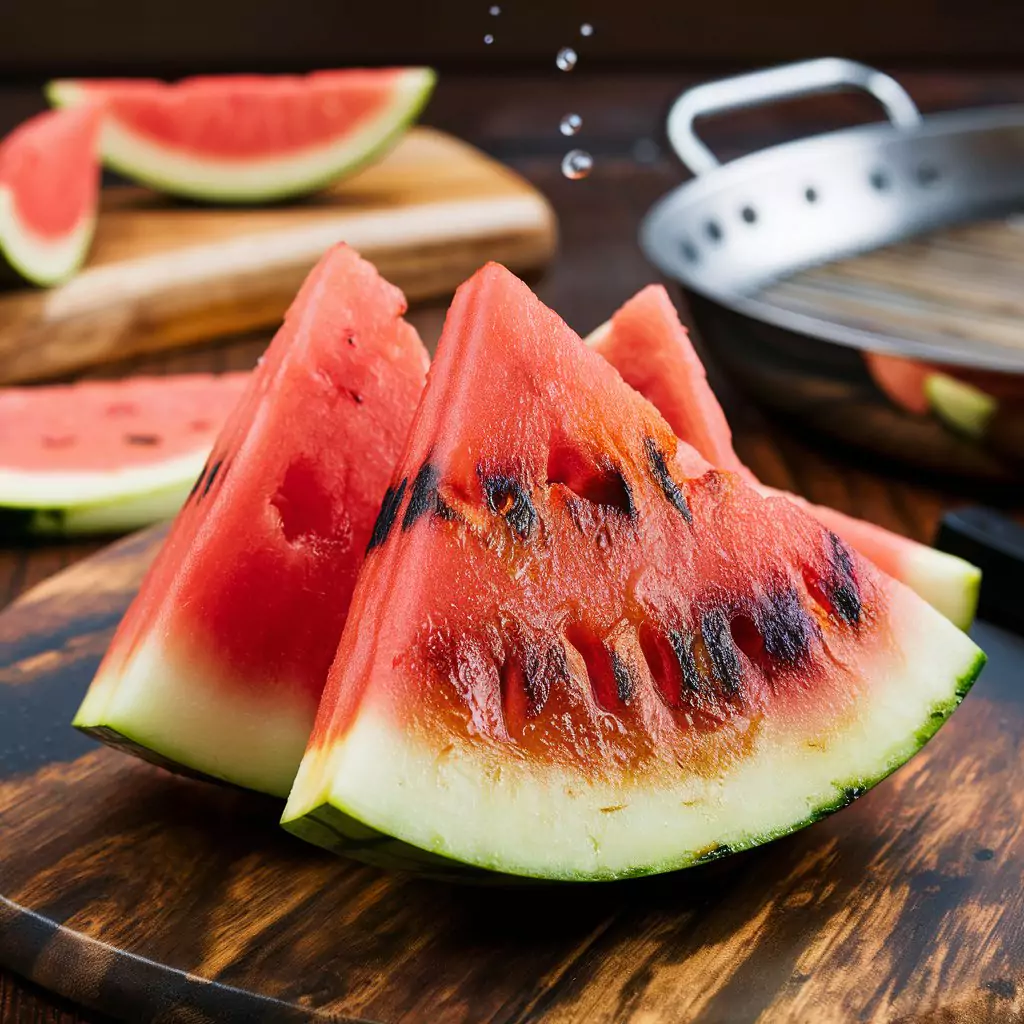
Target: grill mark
<point>785,627</point>
<point>687,663</point>
<point>423,497</point>
<point>507,498</point>
<point>659,469</point>
<point>725,662</point>
<point>625,685</point>
<point>842,588</point>
<point>387,515</point>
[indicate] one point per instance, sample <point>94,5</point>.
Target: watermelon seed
<point>58,440</point>
<point>147,440</point>
<point>424,497</point>
<point>211,477</point>
<point>838,593</point>
<point>507,498</point>
<point>387,515</point>
<point>785,627</point>
<point>356,397</point>
<point>659,467</point>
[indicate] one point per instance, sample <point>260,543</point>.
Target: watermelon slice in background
<point>250,138</point>
<point>577,651</point>
<point>49,189</point>
<point>650,348</point>
<point>107,456</point>
<point>218,664</point>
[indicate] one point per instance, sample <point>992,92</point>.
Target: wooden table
<point>598,266</point>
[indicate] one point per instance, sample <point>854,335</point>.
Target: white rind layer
<point>948,583</point>
<point>252,180</point>
<point>67,490</point>
<point>43,261</point>
<point>552,823</point>
<point>170,706</point>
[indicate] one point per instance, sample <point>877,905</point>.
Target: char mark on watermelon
<point>650,348</point>
<point>575,680</point>
<point>218,665</point>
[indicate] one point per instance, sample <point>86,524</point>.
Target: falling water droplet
<point>570,124</point>
<point>495,11</point>
<point>488,39</point>
<point>576,164</point>
<point>586,29</point>
<point>566,59</point>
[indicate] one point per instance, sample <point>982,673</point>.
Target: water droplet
<point>586,29</point>
<point>576,164</point>
<point>566,59</point>
<point>488,39</point>
<point>495,11</point>
<point>570,124</point>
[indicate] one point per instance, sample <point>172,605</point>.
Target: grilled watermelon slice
<point>250,138</point>
<point>217,668</point>
<point>648,345</point>
<point>577,651</point>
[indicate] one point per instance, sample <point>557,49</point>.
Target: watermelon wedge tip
<point>250,138</point>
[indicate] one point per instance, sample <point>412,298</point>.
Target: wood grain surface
<point>616,953</point>
<point>163,274</point>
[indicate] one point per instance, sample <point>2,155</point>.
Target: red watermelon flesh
<point>109,454</point>
<point>49,187</point>
<point>250,137</point>
<point>578,651</point>
<point>219,663</point>
<point>650,348</point>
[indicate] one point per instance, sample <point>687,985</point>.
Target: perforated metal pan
<point>916,350</point>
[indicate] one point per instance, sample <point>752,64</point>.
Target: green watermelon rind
<point>332,828</point>
<point>222,185</point>
<point>42,263</point>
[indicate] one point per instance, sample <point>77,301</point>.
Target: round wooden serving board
<point>154,897</point>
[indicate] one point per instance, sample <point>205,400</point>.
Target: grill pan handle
<point>757,88</point>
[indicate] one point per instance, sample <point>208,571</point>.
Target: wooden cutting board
<point>163,274</point>
<point>153,897</point>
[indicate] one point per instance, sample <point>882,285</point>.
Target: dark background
<point>39,39</point>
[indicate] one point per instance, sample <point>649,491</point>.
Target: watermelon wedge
<point>49,188</point>
<point>106,456</point>
<point>577,651</point>
<point>650,348</point>
<point>250,138</point>
<point>218,665</point>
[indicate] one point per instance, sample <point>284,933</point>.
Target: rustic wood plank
<point>163,275</point>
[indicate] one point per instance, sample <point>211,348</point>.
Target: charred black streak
<point>625,686</point>
<point>725,662</point>
<point>211,476</point>
<point>687,663</point>
<point>842,588</point>
<point>659,468</point>
<point>507,498</point>
<point>785,627</point>
<point>423,498</point>
<point>386,517</point>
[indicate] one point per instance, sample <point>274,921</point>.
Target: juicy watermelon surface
<point>49,188</point>
<point>219,663</point>
<point>578,651</point>
<point>250,137</point>
<point>650,348</point>
<point>106,455</point>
